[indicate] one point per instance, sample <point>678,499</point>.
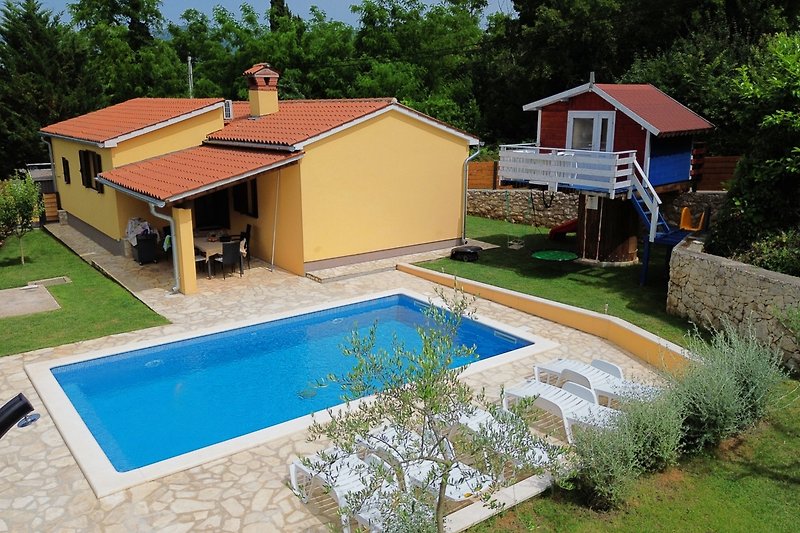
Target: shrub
<point>607,465</point>
<point>655,428</point>
<point>779,252</point>
<point>712,408</point>
<point>726,389</point>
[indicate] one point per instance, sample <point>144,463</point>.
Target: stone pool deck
<point>43,489</point>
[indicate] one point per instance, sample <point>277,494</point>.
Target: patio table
<point>208,249</point>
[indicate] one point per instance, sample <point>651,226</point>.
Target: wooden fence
<point>483,175</point>
<point>716,170</point>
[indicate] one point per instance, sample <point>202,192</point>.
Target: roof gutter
<point>130,192</point>
<point>73,139</point>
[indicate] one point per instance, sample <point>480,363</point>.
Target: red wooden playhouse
<point>619,145</point>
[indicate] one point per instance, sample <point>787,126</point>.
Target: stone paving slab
<point>26,300</point>
<point>43,489</point>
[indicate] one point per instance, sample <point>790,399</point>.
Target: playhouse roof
<point>654,110</point>
<point>301,122</point>
<point>179,175</point>
<point>111,125</point>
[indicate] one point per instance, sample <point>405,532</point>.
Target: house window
<point>65,166</point>
<point>91,166</point>
<point>245,198</point>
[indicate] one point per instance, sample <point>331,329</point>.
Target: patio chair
<point>244,250</point>
<point>574,404</point>
<point>604,378</point>
<point>464,482</point>
<point>342,474</point>
<point>230,257</point>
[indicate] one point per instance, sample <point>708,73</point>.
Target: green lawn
<point>751,484</point>
<point>91,306</point>
<point>612,290</point>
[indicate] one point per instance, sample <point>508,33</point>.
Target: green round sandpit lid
<point>554,255</point>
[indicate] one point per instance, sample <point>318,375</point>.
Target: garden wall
<point>515,205</point>
<point>705,288</point>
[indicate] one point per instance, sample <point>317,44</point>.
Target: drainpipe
<point>464,199</point>
<point>169,219</point>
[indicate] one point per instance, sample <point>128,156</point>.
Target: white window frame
<point>598,117</point>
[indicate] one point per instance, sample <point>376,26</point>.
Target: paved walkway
<point>43,489</point>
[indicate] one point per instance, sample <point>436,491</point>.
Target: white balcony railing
<point>599,172</point>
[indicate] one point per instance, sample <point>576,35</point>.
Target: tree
<point>418,393</point>
<point>765,187</point>
<point>127,58</point>
<point>43,79</point>
<point>20,204</point>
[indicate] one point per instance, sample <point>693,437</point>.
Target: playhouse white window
<point>590,130</point>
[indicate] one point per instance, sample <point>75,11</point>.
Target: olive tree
<point>20,204</point>
<point>417,398</point>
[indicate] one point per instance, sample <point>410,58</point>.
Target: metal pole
<point>191,77</point>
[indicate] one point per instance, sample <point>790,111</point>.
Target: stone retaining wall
<point>705,288</point>
<point>515,205</point>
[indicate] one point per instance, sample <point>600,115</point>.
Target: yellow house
<point>321,182</point>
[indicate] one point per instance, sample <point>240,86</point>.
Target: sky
<point>335,9</point>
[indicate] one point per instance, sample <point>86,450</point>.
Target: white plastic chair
<point>574,403</point>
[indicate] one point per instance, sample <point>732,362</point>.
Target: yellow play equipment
<point>686,220</point>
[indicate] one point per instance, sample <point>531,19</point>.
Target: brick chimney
<point>262,84</point>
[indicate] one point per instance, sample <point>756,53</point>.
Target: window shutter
<point>98,169</point>
<point>65,167</point>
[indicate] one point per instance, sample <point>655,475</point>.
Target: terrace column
<point>607,230</point>
<point>184,243</point>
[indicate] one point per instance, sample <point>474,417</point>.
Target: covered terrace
<point>215,189</point>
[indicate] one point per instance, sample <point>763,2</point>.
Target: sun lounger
<point>574,404</point>
<point>343,474</point>
<point>464,482</point>
<point>478,419</point>
<point>604,378</point>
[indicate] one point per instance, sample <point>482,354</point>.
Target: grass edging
<point>652,349</point>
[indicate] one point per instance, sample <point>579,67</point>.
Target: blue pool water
<point>152,404</point>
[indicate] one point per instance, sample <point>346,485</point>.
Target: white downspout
<point>464,199</point>
<point>169,219</point>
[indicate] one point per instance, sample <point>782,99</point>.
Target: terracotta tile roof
<point>659,110</point>
<point>193,169</point>
<point>297,120</point>
<point>127,117</point>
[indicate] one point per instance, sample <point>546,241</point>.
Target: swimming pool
<point>157,405</point>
